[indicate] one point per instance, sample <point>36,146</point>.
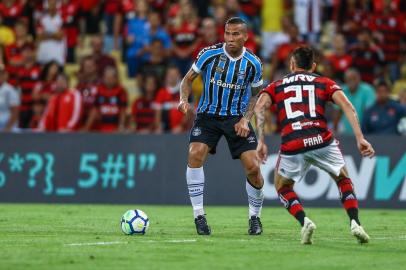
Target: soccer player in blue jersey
<point>230,73</point>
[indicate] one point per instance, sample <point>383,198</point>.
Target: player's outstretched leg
<point>291,201</point>
<point>350,203</point>
<point>195,183</point>
<point>254,187</point>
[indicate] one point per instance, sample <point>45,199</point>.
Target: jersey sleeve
<point>257,80</point>
<point>269,90</point>
<point>331,88</point>
<point>202,58</point>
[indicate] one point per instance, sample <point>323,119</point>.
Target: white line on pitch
<point>96,243</point>
<point>171,241</point>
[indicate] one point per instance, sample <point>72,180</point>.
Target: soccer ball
<point>134,222</point>
<point>402,126</point>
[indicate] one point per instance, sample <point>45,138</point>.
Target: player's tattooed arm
<point>263,105</point>
<point>242,128</point>
<point>185,89</point>
<point>253,100</point>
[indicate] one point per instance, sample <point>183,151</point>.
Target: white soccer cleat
<point>307,231</point>
<point>359,232</point>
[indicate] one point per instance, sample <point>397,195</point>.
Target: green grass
<point>39,237</point>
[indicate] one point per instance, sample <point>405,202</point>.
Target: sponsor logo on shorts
<point>196,131</point>
<point>251,139</point>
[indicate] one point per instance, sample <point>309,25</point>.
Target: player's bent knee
<point>279,183</point>
<point>196,156</point>
<point>254,175</point>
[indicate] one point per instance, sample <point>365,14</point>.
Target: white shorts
<point>328,158</point>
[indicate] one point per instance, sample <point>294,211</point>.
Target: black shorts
<point>208,129</point>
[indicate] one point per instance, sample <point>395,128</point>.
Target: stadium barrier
<point>150,169</point>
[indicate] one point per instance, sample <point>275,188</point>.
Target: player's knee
<point>254,175</point>
<point>196,157</point>
<point>279,183</point>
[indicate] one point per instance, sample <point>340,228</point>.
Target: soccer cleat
<point>307,231</point>
<point>201,225</point>
<point>255,226</point>
<point>359,232</point>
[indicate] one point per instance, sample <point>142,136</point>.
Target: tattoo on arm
<point>260,114</point>
<point>251,105</point>
<point>186,85</point>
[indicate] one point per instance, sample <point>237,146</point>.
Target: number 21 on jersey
<point>298,98</point>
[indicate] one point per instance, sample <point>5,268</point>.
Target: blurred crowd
<point>116,65</point>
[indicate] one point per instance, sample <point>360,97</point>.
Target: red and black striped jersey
<point>110,102</point>
<point>28,77</point>
<point>300,100</point>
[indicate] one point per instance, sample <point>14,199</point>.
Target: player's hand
<point>262,152</point>
<point>241,128</point>
<point>183,107</point>
<point>365,148</point>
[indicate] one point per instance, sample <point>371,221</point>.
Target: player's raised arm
<point>364,146</point>
<point>185,89</point>
<point>263,104</point>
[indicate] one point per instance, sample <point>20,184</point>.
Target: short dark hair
<point>236,20</point>
<point>382,82</point>
<point>304,57</point>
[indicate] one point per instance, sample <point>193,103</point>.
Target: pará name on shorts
<point>313,140</point>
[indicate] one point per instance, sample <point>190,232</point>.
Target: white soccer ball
<point>402,126</point>
<point>134,222</point>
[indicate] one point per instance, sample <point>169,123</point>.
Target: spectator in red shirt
<point>11,11</point>
<point>69,12</point>
<point>367,58</point>
<point>280,58</point>
<point>43,90</point>
<point>339,61</point>
<point>102,60</point>
<point>208,35</point>
<point>13,52</point>
<point>64,108</point>
<point>28,77</point>
<point>92,16</point>
<point>167,100</point>
<point>183,30</point>
<point>143,111</point>
<point>88,80</point>
<point>110,104</point>
<point>389,27</point>
<point>352,16</point>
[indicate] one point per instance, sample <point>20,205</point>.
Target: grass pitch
<point>89,237</point>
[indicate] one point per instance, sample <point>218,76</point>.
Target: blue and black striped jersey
<point>226,80</point>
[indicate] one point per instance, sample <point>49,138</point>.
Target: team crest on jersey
<point>196,131</point>
<point>241,74</point>
<point>251,139</point>
<point>219,70</point>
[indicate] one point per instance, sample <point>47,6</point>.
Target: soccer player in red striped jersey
<point>300,98</point>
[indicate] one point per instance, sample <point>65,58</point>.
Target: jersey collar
<point>232,58</point>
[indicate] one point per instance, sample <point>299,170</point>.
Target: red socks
<point>348,198</point>
<point>292,203</point>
